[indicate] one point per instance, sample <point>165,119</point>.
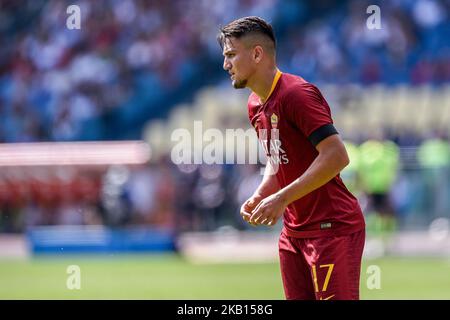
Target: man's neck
<point>263,84</point>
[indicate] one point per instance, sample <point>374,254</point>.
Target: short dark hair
<point>245,26</point>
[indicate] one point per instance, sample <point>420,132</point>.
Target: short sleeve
<point>308,110</point>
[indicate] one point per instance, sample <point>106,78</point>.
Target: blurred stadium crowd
<point>134,61</point>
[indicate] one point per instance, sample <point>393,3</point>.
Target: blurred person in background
<point>378,168</point>
<point>434,158</point>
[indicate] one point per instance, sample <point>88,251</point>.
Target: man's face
<point>238,62</point>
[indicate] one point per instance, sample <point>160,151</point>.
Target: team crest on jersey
<point>274,121</point>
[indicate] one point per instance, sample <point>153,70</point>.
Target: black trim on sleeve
<point>322,133</point>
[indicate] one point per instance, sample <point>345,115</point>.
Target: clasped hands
<point>258,210</point>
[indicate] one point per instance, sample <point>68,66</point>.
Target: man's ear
<point>258,53</point>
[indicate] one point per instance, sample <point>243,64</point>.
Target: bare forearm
<point>269,185</point>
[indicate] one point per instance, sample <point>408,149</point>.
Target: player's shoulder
<point>296,87</point>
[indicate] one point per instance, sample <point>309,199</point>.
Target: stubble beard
<point>239,84</point>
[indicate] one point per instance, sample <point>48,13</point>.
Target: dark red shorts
<point>321,268</point>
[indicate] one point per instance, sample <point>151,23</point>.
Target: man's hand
<point>249,206</point>
<point>269,210</point>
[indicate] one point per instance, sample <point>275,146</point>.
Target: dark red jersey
<point>293,120</point>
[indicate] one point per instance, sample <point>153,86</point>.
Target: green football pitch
<point>171,277</point>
